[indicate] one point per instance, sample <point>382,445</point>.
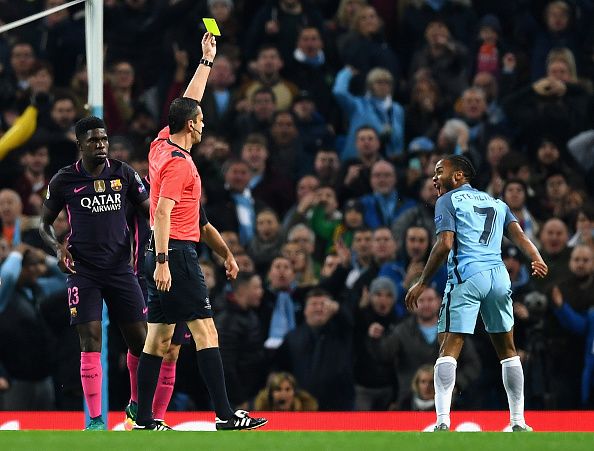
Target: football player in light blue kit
<point>470,225</point>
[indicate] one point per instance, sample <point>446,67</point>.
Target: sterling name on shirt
<point>468,196</point>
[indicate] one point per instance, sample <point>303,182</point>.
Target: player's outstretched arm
<point>46,230</point>
<point>519,238</point>
<point>438,256</point>
<point>195,89</point>
<point>213,239</point>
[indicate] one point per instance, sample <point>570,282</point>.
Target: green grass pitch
<point>296,440</point>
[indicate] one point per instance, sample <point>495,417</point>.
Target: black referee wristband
<point>206,62</point>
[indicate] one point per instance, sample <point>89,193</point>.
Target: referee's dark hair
<point>86,124</point>
<point>462,163</point>
<point>181,111</point>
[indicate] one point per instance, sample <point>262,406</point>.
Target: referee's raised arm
<point>195,89</point>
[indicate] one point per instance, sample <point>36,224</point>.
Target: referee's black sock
<point>147,376</point>
<point>211,368</point>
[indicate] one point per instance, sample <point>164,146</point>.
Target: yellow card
<point>211,26</point>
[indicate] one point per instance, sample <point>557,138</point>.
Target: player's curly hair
<point>181,111</point>
<point>462,163</point>
<point>86,124</point>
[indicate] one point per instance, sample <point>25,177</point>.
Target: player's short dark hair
<point>181,111</point>
<point>88,123</point>
<point>462,163</point>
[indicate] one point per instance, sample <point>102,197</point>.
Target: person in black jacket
<point>319,352</point>
<point>375,381</point>
<point>241,340</point>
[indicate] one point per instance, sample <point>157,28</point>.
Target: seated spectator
<point>310,70</point>
<point>286,146</point>
<point>233,207</point>
<point>278,23</point>
<point>560,30</point>
<point>305,186</point>
<point>39,93</point>
<point>443,59</point>
<point>385,204</point>
<point>375,110</point>
<point>32,185</point>
<point>489,50</point>
<point>268,183</point>
<point>565,349</point>
<point>61,139</point>
<point>255,116</point>
<point>549,159</point>
<point>220,95</point>
<point>423,392</point>
<point>61,41</point>
<point>426,111</point>
<point>27,344</point>
<point>375,382</point>
<point>338,29</point>
<point>278,311</point>
<point>488,177</point>
<point>353,176</point>
<point>306,239</point>
<point>267,68</point>
<point>584,227</point>
<point>556,189</point>
<point>284,394</point>
<point>551,106</point>
<point>454,137</point>
<point>473,111</point>
<point>554,236</point>
<point>366,48</point>
<point>312,127</point>
<point>15,78</point>
<point>422,215</point>
<point>515,194</point>
<point>267,242</point>
<point>412,256</point>
<point>121,93</point>
<point>12,223</point>
<point>581,324</point>
<point>460,16</point>
<point>495,89</point>
<point>319,352</point>
<point>320,210</point>
<point>241,340</point>
<point>326,164</point>
<point>302,266</point>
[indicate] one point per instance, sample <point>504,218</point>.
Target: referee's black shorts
<point>187,299</point>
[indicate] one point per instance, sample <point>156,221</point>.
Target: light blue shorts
<point>488,292</point>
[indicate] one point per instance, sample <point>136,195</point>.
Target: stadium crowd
<point>324,121</point>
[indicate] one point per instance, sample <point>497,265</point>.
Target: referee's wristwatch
<point>161,257</point>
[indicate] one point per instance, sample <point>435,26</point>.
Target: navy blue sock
<point>211,369</point>
<point>147,376</point>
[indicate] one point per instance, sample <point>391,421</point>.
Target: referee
<point>177,291</point>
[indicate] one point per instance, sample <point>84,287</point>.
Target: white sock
<point>513,381</point>
<point>444,380</point>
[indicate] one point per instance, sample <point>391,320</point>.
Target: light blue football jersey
<point>478,221</point>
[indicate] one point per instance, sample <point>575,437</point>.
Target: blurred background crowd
<point>323,122</point>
